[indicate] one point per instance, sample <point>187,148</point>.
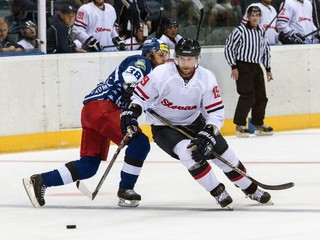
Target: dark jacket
<point>59,38</point>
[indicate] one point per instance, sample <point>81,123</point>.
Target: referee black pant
<point>252,91</point>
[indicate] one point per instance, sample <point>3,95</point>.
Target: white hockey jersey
<point>170,43</point>
<point>267,15</point>
<point>297,16</point>
<point>165,92</point>
<point>92,21</point>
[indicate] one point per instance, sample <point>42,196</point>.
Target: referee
<point>247,47</point>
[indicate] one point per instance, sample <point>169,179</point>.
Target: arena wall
<point>42,94</point>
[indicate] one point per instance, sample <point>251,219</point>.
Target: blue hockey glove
<point>203,144</point>
<point>93,44</point>
<point>129,119</point>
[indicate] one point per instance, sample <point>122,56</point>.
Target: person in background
<point>187,95</point>
<point>295,22</point>
<point>5,44</point>
<point>29,34</point>
<point>128,19</point>
<point>267,21</point>
<point>100,120</point>
<point>246,48</point>
<point>94,27</point>
<point>171,32</point>
<point>19,15</point>
<point>140,35</point>
<point>59,34</point>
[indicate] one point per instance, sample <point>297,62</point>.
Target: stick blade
<point>83,188</point>
<point>273,187</point>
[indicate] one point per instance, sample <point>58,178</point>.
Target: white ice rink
<point>173,205</point>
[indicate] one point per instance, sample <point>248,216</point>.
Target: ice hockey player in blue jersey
<point>100,120</point>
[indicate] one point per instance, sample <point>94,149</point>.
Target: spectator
<point>5,44</point>
<point>17,17</point>
<point>94,26</point>
<point>29,34</point>
<point>316,12</point>
<point>267,21</point>
<point>140,35</point>
<point>220,13</point>
<point>171,33</point>
<point>127,18</point>
<point>295,22</point>
<point>245,49</point>
<point>59,39</point>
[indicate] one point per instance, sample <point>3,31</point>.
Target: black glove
<point>128,93</point>
<point>203,144</point>
<point>297,38</point>
<point>291,38</point>
<point>93,44</point>
<point>121,44</point>
<point>129,118</point>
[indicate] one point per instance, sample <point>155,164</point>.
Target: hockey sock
<point>130,172</point>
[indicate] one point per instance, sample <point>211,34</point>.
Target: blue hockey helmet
<point>153,45</point>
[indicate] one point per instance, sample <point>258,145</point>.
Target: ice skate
<point>263,130</point>
<point>35,189</point>
<point>242,131</point>
<point>222,197</point>
<point>261,197</point>
<point>128,198</point>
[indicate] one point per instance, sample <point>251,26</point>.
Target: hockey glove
<point>203,144</point>
<point>128,93</point>
<point>121,45</point>
<point>291,38</point>
<point>129,119</point>
<point>297,38</point>
<point>93,44</point>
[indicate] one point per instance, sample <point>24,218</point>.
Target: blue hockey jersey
<point>131,70</point>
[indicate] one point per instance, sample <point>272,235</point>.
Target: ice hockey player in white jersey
<point>188,96</point>
<point>171,34</point>
<point>94,27</point>
<point>295,22</point>
<point>267,21</point>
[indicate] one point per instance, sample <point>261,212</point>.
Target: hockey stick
<point>83,188</point>
<point>317,30</point>
<point>234,168</point>
<point>126,45</point>
<point>158,32</point>
<point>200,7</point>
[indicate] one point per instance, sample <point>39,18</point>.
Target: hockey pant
<point>100,125</point>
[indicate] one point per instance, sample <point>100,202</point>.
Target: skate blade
<point>29,190</point>
<point>261,133</point>
<point>228,207</point>
<point>268,203</point>
<point>128,203</point>
<point>242,135</point>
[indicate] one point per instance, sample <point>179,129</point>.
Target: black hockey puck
<point>71,226</point>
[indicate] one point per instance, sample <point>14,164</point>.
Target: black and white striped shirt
<point>247,44</point>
